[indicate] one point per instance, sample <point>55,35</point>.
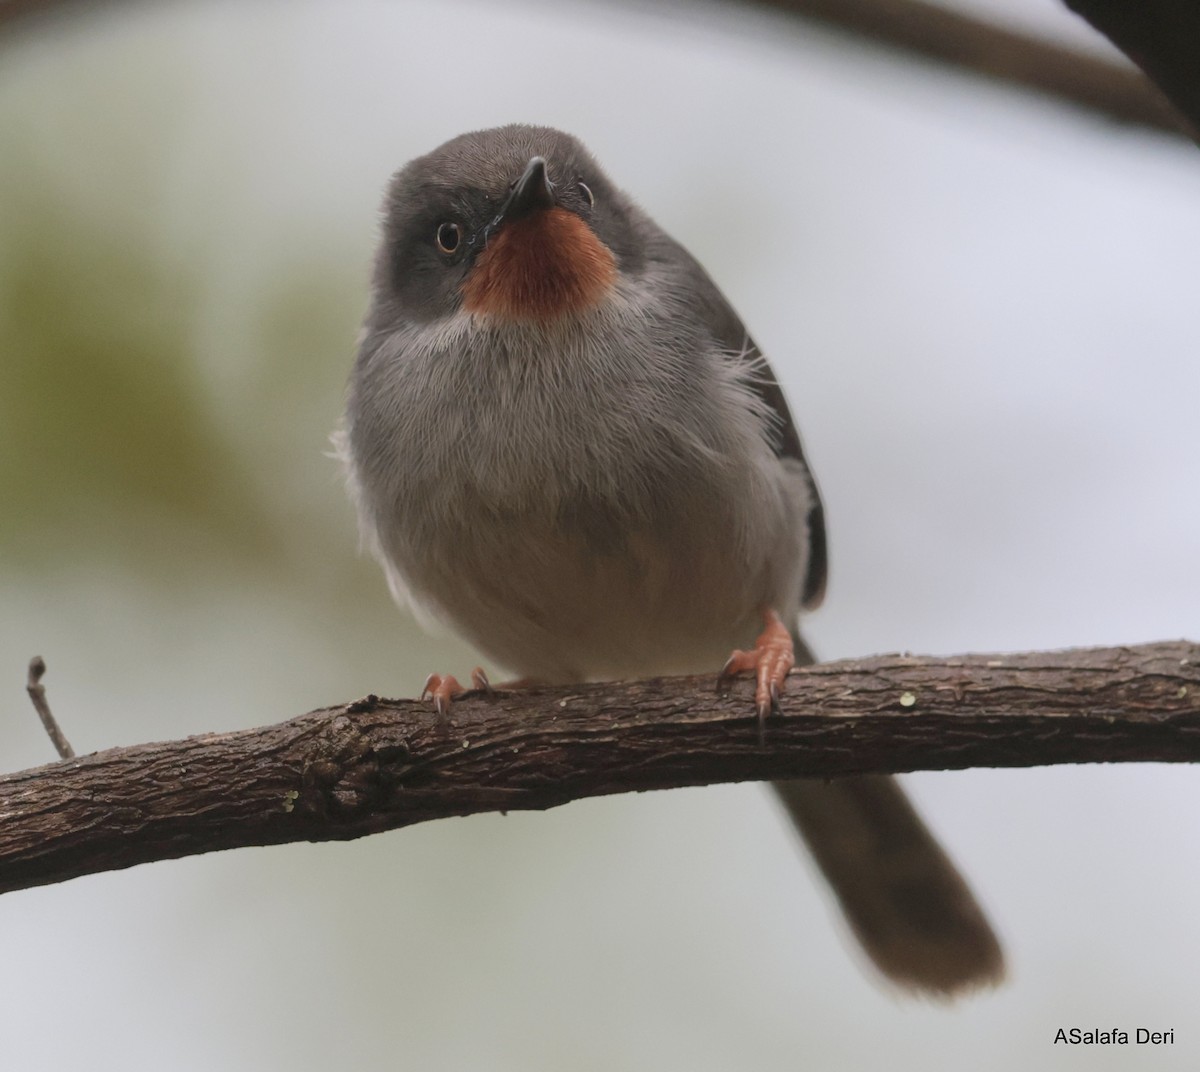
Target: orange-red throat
<point>541,266</point>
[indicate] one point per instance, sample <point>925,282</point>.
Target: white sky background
<point>983,308</point>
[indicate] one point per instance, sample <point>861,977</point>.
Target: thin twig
<point>37,693</point>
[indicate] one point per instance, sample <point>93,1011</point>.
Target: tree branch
<point>373,765</point>
<point>1160,36</point>
<point>1114,90</point>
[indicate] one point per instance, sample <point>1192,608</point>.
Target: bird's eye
<point>448,237</point>
<point>587,192</point>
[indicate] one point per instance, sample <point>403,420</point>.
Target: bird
<point>564,446</point>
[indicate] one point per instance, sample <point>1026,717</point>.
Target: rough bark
<point>374,764</point>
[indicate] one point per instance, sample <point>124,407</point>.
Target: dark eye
<point>587,192</point>
<point>448,237</point>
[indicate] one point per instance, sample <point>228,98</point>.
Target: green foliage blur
<point>120,437</point>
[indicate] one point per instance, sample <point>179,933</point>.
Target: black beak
<point>530,193</point>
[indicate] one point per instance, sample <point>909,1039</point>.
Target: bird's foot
<point>444,689</point>
<point>773,656</point>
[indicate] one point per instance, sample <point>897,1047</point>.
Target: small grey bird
<point>564,445</point>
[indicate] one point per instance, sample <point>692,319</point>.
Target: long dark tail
<point>901,894</point>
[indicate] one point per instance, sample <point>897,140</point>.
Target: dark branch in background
<point>374,765</point>
<point>37,693</point>
<point>1160,35</point>
<point>938,33</point>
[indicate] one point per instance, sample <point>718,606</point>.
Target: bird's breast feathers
<point>593,466</point>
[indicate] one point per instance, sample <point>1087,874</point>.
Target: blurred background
<point>983,308</point>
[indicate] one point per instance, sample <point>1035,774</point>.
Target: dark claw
<point>761,710</point>
<point>480,680</point>
<point>724,677</point>
<point>775,709</point>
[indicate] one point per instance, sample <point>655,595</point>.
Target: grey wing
<point>728,329</point>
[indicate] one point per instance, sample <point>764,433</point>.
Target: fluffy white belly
<point>552,602</point>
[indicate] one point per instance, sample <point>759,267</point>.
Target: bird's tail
<point>901,894</point>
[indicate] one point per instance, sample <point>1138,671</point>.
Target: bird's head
<point>517,223</point>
